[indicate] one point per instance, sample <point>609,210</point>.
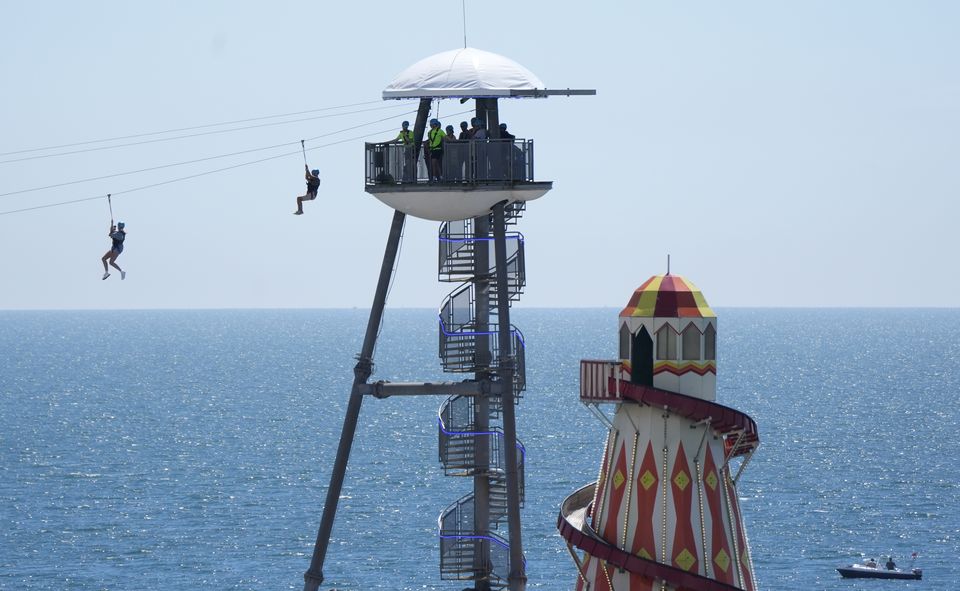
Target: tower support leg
<point>361,372</point>
<point>517,580</point>
<point>481,405</point>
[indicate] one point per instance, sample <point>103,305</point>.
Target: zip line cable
<point>128,137</point>
<point>192,176</point>
<point>205,173</point>
<point>180,137</point>
<point>108,176</point>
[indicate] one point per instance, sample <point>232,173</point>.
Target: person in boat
<point>313,184</point>
<point>890,564</point>
<point>870,563</point>
<point>118,235</point>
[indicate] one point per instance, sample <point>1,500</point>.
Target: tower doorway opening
<point>641,358</point>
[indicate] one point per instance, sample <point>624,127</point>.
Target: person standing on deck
<point>474,127</point>
<point>435,143</point>
<point>480,132</point>
<point>453,163</point>
<point>405,137</point>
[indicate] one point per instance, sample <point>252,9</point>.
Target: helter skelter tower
<point>484,186</point>
<point>663,513</point>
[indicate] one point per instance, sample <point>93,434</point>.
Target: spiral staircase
<point>473,543</point>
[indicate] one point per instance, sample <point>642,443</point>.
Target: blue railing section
<point>457,549</point>
<point>496,432</point>
<point>514,331</point>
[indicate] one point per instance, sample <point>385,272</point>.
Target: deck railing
<point>468,161</point>
<point>595,378</point>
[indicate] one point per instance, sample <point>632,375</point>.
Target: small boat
<point>870,570</point>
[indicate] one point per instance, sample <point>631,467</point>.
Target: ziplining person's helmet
<point>435,122</point>
<point>405,124</point>
<point>120,225</point>
<point>315,172</point>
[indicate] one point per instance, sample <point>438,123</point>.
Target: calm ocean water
<point>191,450</point>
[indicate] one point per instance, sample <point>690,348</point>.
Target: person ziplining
<point>313,182</point>
<point>118,234</point>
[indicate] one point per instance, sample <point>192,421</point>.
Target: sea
<point>192,450</point>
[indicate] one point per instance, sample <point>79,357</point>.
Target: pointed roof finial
<point>668,264</point>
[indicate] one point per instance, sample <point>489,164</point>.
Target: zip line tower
<point>481,190</point>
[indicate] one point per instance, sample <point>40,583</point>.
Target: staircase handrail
<point>466,288</point>
<point>517,343</point>
<point>446,533</point>
<point>452,244</point>
<point>492,332</point>
<point>496,432</point>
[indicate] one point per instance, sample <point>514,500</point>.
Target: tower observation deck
<point>477,187</point>
<point>476,174</point>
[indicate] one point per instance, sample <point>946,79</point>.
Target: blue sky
<point>784,154</point>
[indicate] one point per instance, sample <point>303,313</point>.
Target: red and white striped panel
<point>595,378</point>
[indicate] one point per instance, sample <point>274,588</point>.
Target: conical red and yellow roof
<point>668,296</point>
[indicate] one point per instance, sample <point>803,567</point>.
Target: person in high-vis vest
<point>405,137</point>
<point>435,144</point>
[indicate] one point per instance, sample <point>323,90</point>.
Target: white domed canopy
<point>466,72</point>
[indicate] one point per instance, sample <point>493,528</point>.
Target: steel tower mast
<point>481,190</point>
